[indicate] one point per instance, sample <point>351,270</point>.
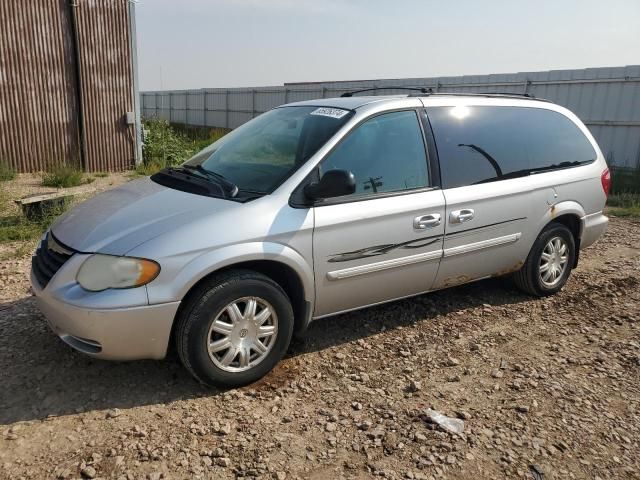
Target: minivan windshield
<point>263,152</point>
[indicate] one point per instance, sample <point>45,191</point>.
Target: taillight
<point>605,178</point>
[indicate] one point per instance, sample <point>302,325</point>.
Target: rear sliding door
<point>502,168</point>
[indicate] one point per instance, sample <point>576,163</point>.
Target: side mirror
<point>334,183</point>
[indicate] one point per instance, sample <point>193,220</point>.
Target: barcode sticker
<point>330,112</point>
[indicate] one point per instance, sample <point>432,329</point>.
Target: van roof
<point>352,103</point>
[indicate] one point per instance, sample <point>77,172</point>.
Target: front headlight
<point>100,272</point>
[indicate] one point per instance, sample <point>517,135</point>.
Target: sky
<point>239,43</point>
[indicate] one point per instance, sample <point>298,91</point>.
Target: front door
<point>384,241</point>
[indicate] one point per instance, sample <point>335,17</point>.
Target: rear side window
<point>479,144</point>
<point>385,154</point>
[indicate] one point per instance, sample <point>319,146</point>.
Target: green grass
<point>624,200</point>
<point>15,227</point>
<point>101,174</point>
<point>625,204</point>
<point>63,176</point>
<point>147,169</point>
<point>625,212</point>
<point>6,172</point>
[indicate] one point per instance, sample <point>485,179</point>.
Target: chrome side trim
<point>362,307</point>
<point>378,266</point>
<point>472,247</point>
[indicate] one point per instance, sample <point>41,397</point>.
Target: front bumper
<point>99,325</point>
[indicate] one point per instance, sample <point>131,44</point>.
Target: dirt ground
<point>547,388</point>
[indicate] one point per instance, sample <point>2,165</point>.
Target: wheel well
<point>572,222</point>
<point>280,273</point>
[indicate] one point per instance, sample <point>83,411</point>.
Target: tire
<point>530,279</point>
<point>235,326</point>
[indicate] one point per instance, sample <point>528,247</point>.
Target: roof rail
<point>428,91</point>
<point>423,90</point>
<point>492,94</point>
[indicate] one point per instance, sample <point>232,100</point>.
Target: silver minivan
<point>317,208</point>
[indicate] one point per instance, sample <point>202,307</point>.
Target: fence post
<point>526,84</point>
<point>187,108</point>
<point>170,107</point>
<point>253,103</point>
<point>204,108</point>
<point>226,108</point>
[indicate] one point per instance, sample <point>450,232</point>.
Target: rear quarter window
<point>479,144</point>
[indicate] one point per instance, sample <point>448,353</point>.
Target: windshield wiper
<point>229,185</point>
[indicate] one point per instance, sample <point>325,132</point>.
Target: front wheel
<point>234,329</point>
<point>549,263</point>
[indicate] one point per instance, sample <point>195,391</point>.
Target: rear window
<point>480,144</point>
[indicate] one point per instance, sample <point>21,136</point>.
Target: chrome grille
<point>48,259</point>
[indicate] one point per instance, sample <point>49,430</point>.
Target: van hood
<point>118,220</point>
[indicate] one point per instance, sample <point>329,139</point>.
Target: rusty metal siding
<point>107,79</point>
<point>38,124</point>
<point>45,116</point>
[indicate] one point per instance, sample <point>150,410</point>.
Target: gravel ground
<point>547,388</point>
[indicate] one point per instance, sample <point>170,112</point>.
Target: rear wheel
<point>234,329</point>
<point>549,263</point>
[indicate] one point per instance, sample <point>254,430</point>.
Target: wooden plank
<point>43,197</point>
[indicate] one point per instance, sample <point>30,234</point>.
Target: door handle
<point>426,221</point>
<point>461,216</point>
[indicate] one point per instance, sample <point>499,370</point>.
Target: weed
<point>625,200</point>
<point>149,168</point>
<point>625,180</point>
<point>167,145</point>
<point>625,204</point>
<point>163,145</point>
<point>624,212</point>
<point>101,174</point>
<point>6,172</point>
<point>62,176</point>
<point>15,227</point>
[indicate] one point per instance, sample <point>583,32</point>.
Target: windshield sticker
<point>330,112</point>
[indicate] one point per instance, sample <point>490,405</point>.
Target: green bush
<point>163,145</point>
<point>62,176</point>
<point>6,172</point>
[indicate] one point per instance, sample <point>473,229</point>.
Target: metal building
<point>68,86</point>
<point>606,99</point>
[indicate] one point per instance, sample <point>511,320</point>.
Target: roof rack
<point>428,91</point>
<point>492,94</point>
<point>423,90</point>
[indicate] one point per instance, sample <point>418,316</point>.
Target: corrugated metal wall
<point>45,117</point>
<point>107,79</point>
<point>606,99</point>
<point>38,102</point>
